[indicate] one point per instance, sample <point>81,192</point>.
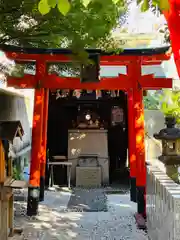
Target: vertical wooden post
<point>11,201</point>
<point>134,72</point>
<point>2,164</point>
<point>44,142</point>
<point>34,181</point>
<point>3,201</point>
<point>11,215</point>
<point>140,144</point>
<point>131,146</point>
<point>140,152</point>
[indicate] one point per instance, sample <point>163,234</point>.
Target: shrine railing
<point>163,203</point>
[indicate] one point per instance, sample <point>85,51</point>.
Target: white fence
<point>163,204</point>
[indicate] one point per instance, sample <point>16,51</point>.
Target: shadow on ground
<point>57,222</point>
<point>52,223</point>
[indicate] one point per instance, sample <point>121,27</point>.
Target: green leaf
<point>164,4</point>
<point>155,2</point>
<point>52,3</point>
<point>115,1</point>
<point>86,2</point>
<point>145,6</point>
<point>64,6</point>
<point>139,1</point>
<point>43,7</point>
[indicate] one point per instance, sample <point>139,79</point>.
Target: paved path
<point>56,223</point>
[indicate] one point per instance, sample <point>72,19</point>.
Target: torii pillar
<point>131,145</point>
<point>139,138</point>
<point>44,142</point>
<point>136,129</point>
<point>173,19</point>
<point>136,137</point>
<point>36,152</point>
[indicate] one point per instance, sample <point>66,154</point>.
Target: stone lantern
<point>170,137</point>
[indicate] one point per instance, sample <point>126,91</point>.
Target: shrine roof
<point>64,51</point>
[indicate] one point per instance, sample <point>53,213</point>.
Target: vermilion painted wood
<point>139,133</point>
<point>55,82</point>
<point>124,59</point>
<point>131,125</point>
<point>37,129</point>
<point>123,63</point>
<point>43,145</point>
<point>173,19</point>
<point>117,63</point>
<point>127,59</point>
<point>34,180</point>
<point>25,82</point>
<point>137,145</point>
<point>44,132</point>
<point>122,82</point>
<point>131,134</point>
<point>148,82</point>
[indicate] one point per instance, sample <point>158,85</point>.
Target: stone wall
<point>84,142</point>
<point>163,204</point>
<point>14,106</point>
<point>163,194</point>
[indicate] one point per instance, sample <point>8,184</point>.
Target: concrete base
<point>33,201</point>
<point>140,221</point>
<point>133,196</point>
<point>141,204</point>
<point>42,189</point>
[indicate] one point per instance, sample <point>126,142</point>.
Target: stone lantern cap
<point>170,132</point>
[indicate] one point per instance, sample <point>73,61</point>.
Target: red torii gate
<point>133,82</point>
<point>173,19</point>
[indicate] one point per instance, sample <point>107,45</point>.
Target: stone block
<point>84,142</point>
<point>163,206</point>
<point>88,176</point>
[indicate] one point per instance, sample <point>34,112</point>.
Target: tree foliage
<point>151,101</point>
<point>64,6</point>
<point>62,23</point>
<point>163,5</point>
<point>22,24</point>
<point>170,103</point>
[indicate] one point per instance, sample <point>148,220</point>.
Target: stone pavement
<point>55,222</point>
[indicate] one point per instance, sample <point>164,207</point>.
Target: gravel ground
<point>55,222</point>
<point>84,200</point>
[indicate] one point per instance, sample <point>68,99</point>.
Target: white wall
<point>154,122</point>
